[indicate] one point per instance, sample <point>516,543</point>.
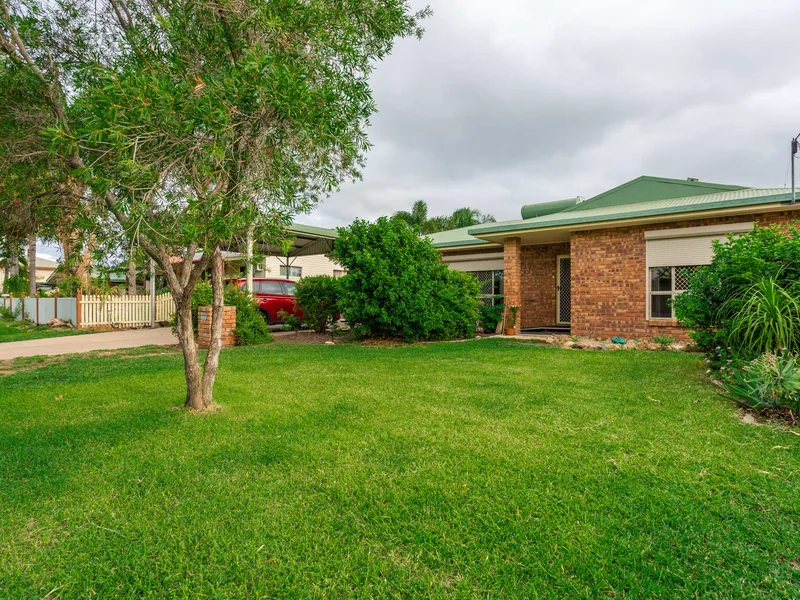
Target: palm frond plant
<point>771,381</point>
<point>765,318</point>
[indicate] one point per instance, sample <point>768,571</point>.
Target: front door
<point>563,291</point>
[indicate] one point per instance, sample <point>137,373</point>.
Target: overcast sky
<point>509,102</point>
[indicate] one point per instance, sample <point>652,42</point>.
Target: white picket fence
<point>124,311</point>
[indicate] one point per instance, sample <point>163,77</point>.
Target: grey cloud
<point>535,101</point>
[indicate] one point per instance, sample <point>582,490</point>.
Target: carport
<point>305,240</point>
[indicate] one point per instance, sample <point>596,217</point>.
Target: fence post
<point>22,299</point>
<point>78,309</point>
<point>55,305</point>
<point>37,308</point>
<point>152,293</point>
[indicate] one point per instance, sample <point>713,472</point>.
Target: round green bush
<point>318,298</point>
<point>397,286</point>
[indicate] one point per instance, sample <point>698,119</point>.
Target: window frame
<point>283,270</point>
<point>671,293</point>
<point>497,283</point>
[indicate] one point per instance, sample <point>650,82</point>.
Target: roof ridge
<point>688,182</point>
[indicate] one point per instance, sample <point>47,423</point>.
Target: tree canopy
<point>192,122</point>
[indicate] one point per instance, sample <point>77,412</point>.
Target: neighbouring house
<point>609,266</point>
<point>44,269</point>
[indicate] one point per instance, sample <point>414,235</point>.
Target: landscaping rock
<point>587,344</point>
<point>59,323</point>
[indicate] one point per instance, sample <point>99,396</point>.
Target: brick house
<point>609,265</point>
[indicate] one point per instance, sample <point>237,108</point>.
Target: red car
<point>273,296</point>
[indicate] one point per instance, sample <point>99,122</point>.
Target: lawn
<point>17,331</point>
<point>487,469</point>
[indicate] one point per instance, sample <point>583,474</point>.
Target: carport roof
<point>307,241</point>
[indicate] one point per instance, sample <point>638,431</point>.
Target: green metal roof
<point>297,228</point>
<point>647,189</point>
<point>455,237</point>
<point>668,206</point>
<point>531,211</point>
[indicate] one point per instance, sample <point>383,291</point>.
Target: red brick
<point>204,326</point>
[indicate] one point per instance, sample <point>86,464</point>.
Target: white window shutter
<point>687,246</point>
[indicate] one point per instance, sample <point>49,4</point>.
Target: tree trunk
<point>191,368</point>
<point>131,277</point>
<point>217,308</point>
<point>182,282</point>
<point>32,267</point>
<point>13,269</point>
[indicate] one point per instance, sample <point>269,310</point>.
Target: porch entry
<point>563,290</point>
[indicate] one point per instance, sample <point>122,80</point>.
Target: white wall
<point>311,265</point>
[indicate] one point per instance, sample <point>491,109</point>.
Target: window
<point>293,271</point>
<point>289,289</point>
<point>338,273</point>
<point>267,287</point>
<point>491,284</point>
<point>665,284</point>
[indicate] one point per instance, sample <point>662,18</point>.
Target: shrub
<point>397,286</point>
<point>291,322</point>
<point>738,263</point>
<point>491,315</point>
<point>766,317</point>
<point>17,285</point>
<point>721,362</point>
<point>6,313</point>
<point>251,328</point>
<point>771,381</point>
<point>250,325</point>
<point>664,341</point>
<point>318,298</point>
<point>511,317</point>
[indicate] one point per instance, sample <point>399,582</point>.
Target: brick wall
<point>512,263</point>
<point>609,278</point>
<point>204,326</point>
<point>538,293</point>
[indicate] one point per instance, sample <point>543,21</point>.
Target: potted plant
<point>511,320</point>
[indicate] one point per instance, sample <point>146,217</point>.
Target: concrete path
<point>73,344</point>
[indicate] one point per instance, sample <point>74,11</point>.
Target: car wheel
<point>265,316</point>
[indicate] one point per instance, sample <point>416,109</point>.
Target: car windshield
<point>289,287</point>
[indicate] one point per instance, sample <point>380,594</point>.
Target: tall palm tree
<point>466,217</point>
<point>462,217</point>
<point>417,217</point>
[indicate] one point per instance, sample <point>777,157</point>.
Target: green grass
<point>486,469</point>
<point>17,331</point>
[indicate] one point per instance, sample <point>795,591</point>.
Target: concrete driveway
<point>113,340</point>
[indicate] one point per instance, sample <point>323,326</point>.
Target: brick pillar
<point>204,326</point>
<point>512,277</point>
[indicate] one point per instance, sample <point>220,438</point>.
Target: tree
<point>192,122</point>
<point>418,217</point>
<point>461,217</point>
